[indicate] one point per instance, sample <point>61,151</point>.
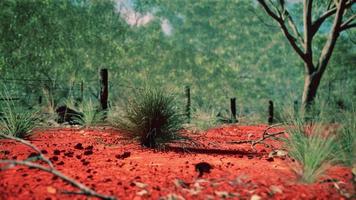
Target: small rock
<point>255,197</point>
<point>89,147</point>
<point>56,152</point>
<point>88,152</point>
<point>78,146</point>
<point>126,154</point>
<point>270,159</point>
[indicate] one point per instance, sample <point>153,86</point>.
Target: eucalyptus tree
<point>319,17</point>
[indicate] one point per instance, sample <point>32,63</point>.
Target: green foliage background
<point>221,49</point>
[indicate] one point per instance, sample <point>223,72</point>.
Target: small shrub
<point>152,117</point>
<point>347,138</point>
<point>313,151</point>
<point>18,122</point>
<point>89,114</point>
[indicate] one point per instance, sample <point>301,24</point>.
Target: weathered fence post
<point>233,110</point>
<point>82,91</point>
<point>40,100</point>
<point>188,105</point>
<point>270,112</point>
<point>104,91</point>
<point>296,108</point>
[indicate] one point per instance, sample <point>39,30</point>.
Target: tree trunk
<point>311,84</point>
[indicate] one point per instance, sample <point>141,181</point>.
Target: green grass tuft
<point>347,138</point>
<point>18,122</point>
<point>311,148</point>
<point>152,116</point>
<point>90,114</point>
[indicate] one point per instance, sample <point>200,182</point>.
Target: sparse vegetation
<point>90,114</point>
<point>153,117</point>
<point>18,122</point>
<point>347,138</point>
<point>311,148</point>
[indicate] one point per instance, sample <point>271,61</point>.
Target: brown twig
<point>84,189</point>
<point>265,136</point>
<point>41,156</point>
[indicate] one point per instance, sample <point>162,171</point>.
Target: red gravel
<point>107,162</point>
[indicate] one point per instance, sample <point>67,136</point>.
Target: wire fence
<point>34,92</point>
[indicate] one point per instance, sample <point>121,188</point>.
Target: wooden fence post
<point>40,100</point>
<point>270,112</point>
<point>233,110</point>
<point>296,108</point>
<point>104,91</point>
<point>188,105</point>
<point>82,91</point>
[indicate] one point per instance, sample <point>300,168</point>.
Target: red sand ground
<point>238,173</point>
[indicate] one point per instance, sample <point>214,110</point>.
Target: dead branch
<point>84,189</point>
<point>40,155</point>
<point>261,140</point>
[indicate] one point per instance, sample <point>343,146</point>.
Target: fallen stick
<point>265,135</point>
<point>41,156</point>
<point>84,189</point>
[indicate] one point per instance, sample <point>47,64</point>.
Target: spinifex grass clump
<point>152,116</point>
<point>89,114</point>
<point>313,150</point>
<point>18,122</point>
<point>347,138</point>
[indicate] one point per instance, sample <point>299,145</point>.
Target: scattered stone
<point>54,158</point>
<point>69,154</point>
<point>255,197</point>
<point>56,152</point>
<point>88,152</point>
<point>275,189</point>
<point>270,159</point>
<point>126,154</point>
<point>60,163</point>
<point>140,185</point>
<point>44,151</point>
<point>89,147</point>
<point>203,167</point>
<point>79,146</point>
<point>33,155</point>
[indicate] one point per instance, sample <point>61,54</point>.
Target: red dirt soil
<point>238,171</point>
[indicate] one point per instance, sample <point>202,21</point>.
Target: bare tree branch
<point>348,22</point>
<point>290,37</point>
<point>331,11</point>
<point>348,26</point>
<point>294,27</point>
<point>334,34</point>
<point>84,189</point>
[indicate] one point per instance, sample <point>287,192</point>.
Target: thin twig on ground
<point>265,136</point>
<point>84,190</point>
<point>40,155</point>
